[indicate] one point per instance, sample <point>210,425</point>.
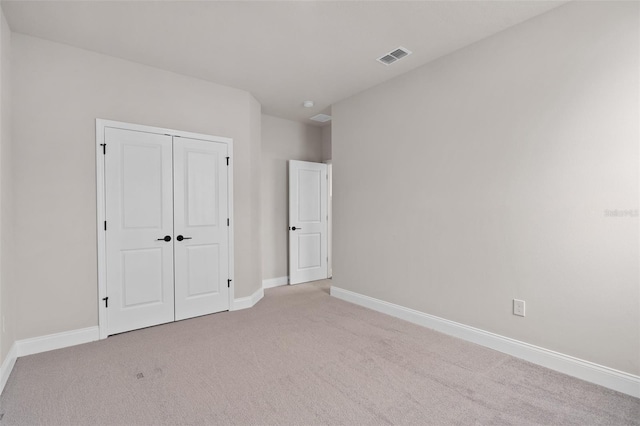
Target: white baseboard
<point>46,343</point>
<point>275,282</point>
<point>65,339</point>
<point>77,337</point>
<point>585,370</point>
<point>7,366</point>
<point>249,301</point>
<point>51,342</point>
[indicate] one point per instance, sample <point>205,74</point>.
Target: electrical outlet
<point>518,307</point>
<point>3,323</point>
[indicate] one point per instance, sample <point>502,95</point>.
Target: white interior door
<point>139,212</point>
<point>167,228</point>
<point>307,221</point>
<point>201,227</point>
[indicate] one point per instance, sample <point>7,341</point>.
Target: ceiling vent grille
<point>322,118</point>
<point>394,55</point>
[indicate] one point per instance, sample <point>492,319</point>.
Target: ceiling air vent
<point>322,118</point>
<point>387,59</point>
<point>394,55</point>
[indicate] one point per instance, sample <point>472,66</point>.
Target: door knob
<point>166,238</point>
<point>180,238</point>
<point>294,228</point>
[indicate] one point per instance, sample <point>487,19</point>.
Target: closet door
<point>200,227</point>
<point>139,237</point>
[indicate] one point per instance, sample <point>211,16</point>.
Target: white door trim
<point>329,164</point>
<point>100,204</point>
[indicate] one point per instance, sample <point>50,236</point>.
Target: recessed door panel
<point>142,186</point>
<point>307,221</point>
<point>202,186</point>
<point>139,213</point>
<point>309,251</point>
<point>203,266</point>
<point>141,277</point>
<point>309,190</point>
<point>200,196</point>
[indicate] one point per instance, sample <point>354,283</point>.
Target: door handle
<point>293,228</point>
<point>180,238</point>
<point>166,238</point>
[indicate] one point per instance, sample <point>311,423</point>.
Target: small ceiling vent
<point>387,59</point>
<point>394,56</point>
<point>322,118</point>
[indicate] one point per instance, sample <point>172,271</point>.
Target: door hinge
<point>227,161</point>
<point>106,301</point>
<point>104,148</point>
<point>105,225</point>
<point>228,283</point>
<point>227,221</point>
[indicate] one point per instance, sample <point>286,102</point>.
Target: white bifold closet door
<point>167,235</point>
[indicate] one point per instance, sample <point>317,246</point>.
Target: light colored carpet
<point>298,357</point>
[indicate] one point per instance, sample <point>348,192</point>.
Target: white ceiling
<point>281,52</point>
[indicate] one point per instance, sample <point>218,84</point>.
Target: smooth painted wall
<point>282,140</point>
<point>7,288</point>
<point>255,239</point>
<point>493,173</point>
<point>326,143</point>
<point>58,92</point>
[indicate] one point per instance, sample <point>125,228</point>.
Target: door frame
<point>329,164</point>
<point>101,124</point>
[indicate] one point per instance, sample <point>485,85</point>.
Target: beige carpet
<point>298,357</point>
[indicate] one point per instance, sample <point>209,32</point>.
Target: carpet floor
<point>299,357</point>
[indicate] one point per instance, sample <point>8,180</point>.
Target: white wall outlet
<point>518,307</point>
<point>3,324</point>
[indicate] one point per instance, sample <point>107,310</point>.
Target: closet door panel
<point>139,213</point>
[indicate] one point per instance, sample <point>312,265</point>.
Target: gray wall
<point>58,92</point>
<point>486,175</point>
<point>326,143</point>
<point>7,290</point>
<point>253,241</point>
<point>282,140</point>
